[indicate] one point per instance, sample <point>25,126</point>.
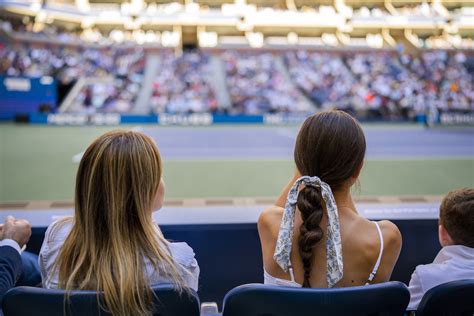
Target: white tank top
<point>271,280</point>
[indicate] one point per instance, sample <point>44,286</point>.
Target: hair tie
<point>333,244</point>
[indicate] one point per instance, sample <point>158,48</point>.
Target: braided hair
<point>330,145</point>
<point>311,209</point>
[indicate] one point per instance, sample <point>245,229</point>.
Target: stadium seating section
<point>371,84</point>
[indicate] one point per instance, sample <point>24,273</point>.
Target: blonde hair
<point>113,233</point>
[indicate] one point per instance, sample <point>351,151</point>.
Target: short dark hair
<point>457,216</point>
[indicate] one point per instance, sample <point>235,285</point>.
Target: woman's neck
<point>344,200</point>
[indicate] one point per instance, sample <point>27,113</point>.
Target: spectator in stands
<point>314,236</point>
<point>112,243</point>
<point>183,84</point>
<point>14,234</point>
<point>455,261</point>
<point>258,86</point>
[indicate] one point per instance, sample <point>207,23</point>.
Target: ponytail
<point>309,204</point>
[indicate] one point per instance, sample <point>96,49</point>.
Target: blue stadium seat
<point>26,301</point>
<point>454,298</point>
<point>388,299</point>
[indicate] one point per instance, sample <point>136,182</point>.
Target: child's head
<point>456,222</point>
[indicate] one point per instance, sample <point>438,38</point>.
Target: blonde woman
<point>112,244</point>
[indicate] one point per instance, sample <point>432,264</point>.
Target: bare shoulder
<point>369,241</point>
<point>391,234</point>
<point>269,220</point>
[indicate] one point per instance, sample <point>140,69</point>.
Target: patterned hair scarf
<point>333,244</point>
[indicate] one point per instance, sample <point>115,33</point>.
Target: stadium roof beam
<point>441,9</point>
<point>388,38</point>
<point>342,8</point>
<point>390,8</point>
<point>290,4</point>
<point>412,38</point>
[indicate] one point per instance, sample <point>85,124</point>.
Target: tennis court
<point>37,162</point>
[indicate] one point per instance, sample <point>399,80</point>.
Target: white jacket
<point>56,234</point>
<point>452,263</point>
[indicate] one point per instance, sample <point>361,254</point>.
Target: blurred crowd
<point>47,31</point>
<point>68,64</point>
<point>445,80</point>
<point>384,85</point>
<point>377,84</point>
<point>256,85</point>
<point>183,84</point>
<point>121,72</point>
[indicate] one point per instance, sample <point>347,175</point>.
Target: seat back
<point>388,299</point>
<point>454,298</point>
<point>26,301</point>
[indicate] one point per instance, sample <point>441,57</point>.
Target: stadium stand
<point>183,84</point>
<point>391,60</point>
<point>446,79</point>
<point>257,85</point>
<point>384,85</point>
<point>380,85</point>
<point>123,67</point>
<point>47,302</point>
<point>68,63</point>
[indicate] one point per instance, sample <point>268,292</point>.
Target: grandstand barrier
<point>206,119</point>
<point>456,118</point>
<point>230,255</point>
<point>227,246</point>
<point>22,96</point>
<point>196,119</point>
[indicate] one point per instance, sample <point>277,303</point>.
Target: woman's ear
<point>356,175</point>
<point>359,170</point>
<point>444,237</point>
<point>159,196</point>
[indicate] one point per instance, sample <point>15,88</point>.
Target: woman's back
<point>314,234</point>
<point>361,247</point>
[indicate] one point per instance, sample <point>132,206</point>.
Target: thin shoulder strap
<point>292,273</point>
<point>379,259</point>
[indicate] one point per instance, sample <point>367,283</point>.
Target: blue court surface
<point>252,142</point>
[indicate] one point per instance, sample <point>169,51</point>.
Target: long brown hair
<point>113,233</point>
<point>330,145</point>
